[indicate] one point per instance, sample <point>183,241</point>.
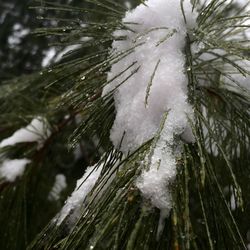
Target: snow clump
<point>154,86</point>
<point>36,131</point>
<point>10,170</point>
<point>83,186</point>
<point>59,185</point>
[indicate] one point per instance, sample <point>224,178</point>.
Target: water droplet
<point>83,77</point>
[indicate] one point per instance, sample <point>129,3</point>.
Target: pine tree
<point>84,128</point>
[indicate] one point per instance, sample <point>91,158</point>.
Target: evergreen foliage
<point>114,215</point>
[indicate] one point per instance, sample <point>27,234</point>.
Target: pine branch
<point>115,215</point>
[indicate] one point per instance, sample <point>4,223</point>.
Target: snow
<point>232,79</point>
<point>83,186</point>
<point>237,81</point>
<point>48,57</point>
<point>242,3</point>
<point>59,185</point>
<point>19,32</point>
<point>11,169</point>
<point>51,55</point>
<point>36,131</point>
<point>66,50</point>
<point>246,5</point>
<point>158,87</point>
<point>139,120</point>
<point>153,183</point>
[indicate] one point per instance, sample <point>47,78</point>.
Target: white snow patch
<point>243,3</point>
<point>138,119</point>
<point>36,131</point>
<point>153,183</point>
<point>66,50</point>
<point>19,32</point>
<point>11,169</point>
<point>236,81</point>
<point>59,185</point>
<point>159,86</point>
<point>246,5</point>
<point>83,186</point>
<point>49,56</point>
